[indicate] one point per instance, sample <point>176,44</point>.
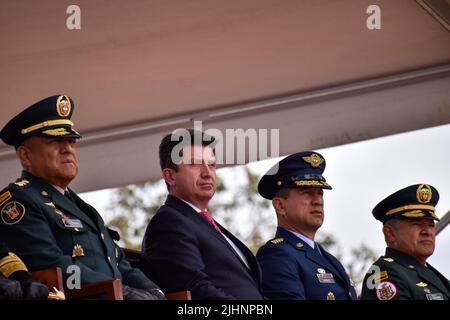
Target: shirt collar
<point>310,242</point>
<point>61,190</point>
<point>191,205</point>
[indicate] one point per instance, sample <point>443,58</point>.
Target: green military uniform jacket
<point>47,229</point>
<point>404,278</point>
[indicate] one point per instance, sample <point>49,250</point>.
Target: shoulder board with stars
<point>21,182</point>
<point>277,240</point>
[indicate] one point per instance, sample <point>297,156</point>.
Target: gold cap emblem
<point>314,160</point>
<point>424,193</point>
<point>63,106</point>
<point>330,296</point>
<point>77,251</point>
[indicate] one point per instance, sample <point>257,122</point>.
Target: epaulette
<point>277,240</point>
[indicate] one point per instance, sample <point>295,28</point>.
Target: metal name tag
<point>435,296</point>
<point>72,223</point>
<point>325,277</point>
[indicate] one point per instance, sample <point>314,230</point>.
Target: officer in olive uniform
<point>408,225</point>
<point>45,222</point>
<point>294,266</point>
<point>15,280</point>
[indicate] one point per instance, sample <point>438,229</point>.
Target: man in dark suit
<point>184,248</point>
<point>294,266</point>
<point>45,222</point>
<point>408,226</point>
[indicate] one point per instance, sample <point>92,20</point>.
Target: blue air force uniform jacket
<point>46,229</point>
<point>292,270</point>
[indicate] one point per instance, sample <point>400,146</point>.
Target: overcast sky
<point>364,173</point>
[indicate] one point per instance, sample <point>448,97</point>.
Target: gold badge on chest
<point>77,251</point>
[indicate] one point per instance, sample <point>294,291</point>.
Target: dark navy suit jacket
<point>182,251</point>
<point>291,270</point>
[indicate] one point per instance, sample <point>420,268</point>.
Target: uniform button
<point>102,236</point>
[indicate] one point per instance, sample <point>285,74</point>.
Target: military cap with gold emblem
<point>302,169</point>
<point>49,117</point>
<point>414,202</point>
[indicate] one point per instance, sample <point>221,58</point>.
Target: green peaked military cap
<point>49,117</point>
<point>413,202</point>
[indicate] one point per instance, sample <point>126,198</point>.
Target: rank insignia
<point>314,160</point>
<point>21,182</point>
<point>424,193</point>
<point>5,196</point>
<point>299,245</point>
<point>77,251</point>
<point>63,106</point>
<point>386,290</point>
<point>422,284</point>
<point>330,296</point>
<point>12,212</point>
<point>277,240</point>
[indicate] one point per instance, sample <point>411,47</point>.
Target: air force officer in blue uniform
<point>294,266</point>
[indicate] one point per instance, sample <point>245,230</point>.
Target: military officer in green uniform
<point>45,222</point>
<point>408,218</point>
<point>16,282</point>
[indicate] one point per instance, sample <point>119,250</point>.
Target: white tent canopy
<point>137,70</point>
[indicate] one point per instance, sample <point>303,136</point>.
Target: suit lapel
<point>180,206</point>
<point>432,276</point>
<point>429,274</point>
<point>322,260</point>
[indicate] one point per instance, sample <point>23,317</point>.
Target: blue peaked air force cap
<point>299,170</point>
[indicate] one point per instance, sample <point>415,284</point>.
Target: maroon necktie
<point>205,215</point>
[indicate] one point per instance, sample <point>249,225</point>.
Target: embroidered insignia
<point>424,193</point>
<point>386,290</point>
<point>12,212</point>
<point>388,259</point>
<point>314,160</point>
<point>299,245</point>
<point>77,251</point>
<point>63,106</point>
<point>330,296</point>
<point>21,182</point>
<point>277,240</point>
<point>422,284</point>
<point>56,132</point>
<point>381,276</point>
<point>5,196</point>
